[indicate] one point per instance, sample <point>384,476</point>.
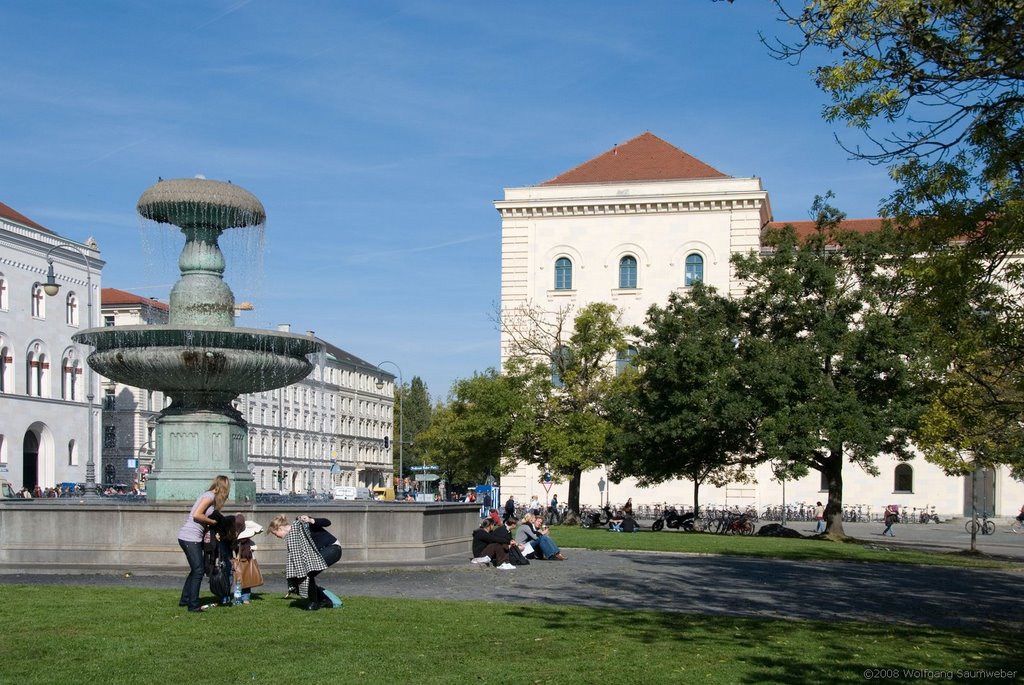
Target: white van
<point>349,492</point>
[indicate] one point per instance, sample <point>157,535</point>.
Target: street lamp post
<point>401,418</point>
<point>51,288</point>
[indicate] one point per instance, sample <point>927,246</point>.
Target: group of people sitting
<point>508,543</point>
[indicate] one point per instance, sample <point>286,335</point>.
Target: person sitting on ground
<point>537,535</point>
<point>489,548</point>
<point>495,516</point>
<point>506,532</point>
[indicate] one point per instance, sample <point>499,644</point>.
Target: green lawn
<point>109,636</point>
<point>765,547</point>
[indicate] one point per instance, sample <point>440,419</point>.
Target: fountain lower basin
<point>208,360</point>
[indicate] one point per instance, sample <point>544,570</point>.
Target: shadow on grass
<point>752,650</point>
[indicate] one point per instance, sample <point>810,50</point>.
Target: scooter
<point>675,520</point>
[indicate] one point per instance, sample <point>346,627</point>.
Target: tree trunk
<point>696,501</point>
<point>574,490</point>
<point>834,508</point>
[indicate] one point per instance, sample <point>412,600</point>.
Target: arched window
<point>38,301</point>
<point>624,359</point>
<point>67,378</point>
<point>903,478</point>
<point>694,269</point>
<point>6,368</point>
<point>559,359</point>
<point>71,310</point>
<point>72,453</point>
<point>37,368</point>
<point>3,293</point>
<point>627,272</point>
<point>3,450</point>
<point>563,274</point>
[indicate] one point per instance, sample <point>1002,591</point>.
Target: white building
<point>629,227</point>
<point>44,382</point>
<point>326,430</point>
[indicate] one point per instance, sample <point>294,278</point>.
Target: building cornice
<point>616,206</point>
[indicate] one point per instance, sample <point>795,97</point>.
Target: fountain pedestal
<point>195,444</point>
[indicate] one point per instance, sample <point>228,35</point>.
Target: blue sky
<point>378,135</point>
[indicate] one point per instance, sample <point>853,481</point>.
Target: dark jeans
<point>190,591</point>
<point>331,555</point>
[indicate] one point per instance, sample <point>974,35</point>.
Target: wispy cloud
<point>220,15</point>
<point>370,256</point>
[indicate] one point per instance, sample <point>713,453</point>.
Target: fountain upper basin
<point>175,359</point>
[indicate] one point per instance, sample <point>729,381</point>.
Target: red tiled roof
<point>644,158</point>
<point>11,214</point>
<point>113,296</point>
<point>806,228</point>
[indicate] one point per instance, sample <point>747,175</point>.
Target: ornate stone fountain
<point>200,359</point>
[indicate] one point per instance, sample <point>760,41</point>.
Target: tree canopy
<point>828,351</point>
<point>576,358</point>
<point>685,413</point>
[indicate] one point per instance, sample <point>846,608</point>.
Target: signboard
<point>432,467</point>
<point>427,477</point>
<point>133,463</point>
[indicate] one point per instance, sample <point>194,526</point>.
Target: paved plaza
<point>701,584</point>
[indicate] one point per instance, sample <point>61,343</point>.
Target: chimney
<point>284,327</point>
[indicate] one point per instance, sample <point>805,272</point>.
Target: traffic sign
<point>427,477</point>
<point>431,467</point>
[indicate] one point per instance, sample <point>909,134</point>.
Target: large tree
<point>938,88</point>
<point>828,351</point>
<point>415,405</point>
<point>486,417</point>
<point>686,413</point>
<point>577,355</point>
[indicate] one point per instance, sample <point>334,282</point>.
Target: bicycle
<point>984,525</point>
<point>1017,526</point>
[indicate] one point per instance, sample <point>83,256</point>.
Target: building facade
<point>326,430</point>
<point>48,407</point>
<point>129,413</point>
<point>634,224</point>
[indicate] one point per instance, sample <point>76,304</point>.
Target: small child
<point>245,565</point>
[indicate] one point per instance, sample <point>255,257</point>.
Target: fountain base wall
<point>43,536</point>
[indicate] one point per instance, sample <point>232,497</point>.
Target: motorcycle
<point>673,519</point>
<point>593,519</point>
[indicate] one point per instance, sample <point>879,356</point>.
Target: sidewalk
<point>949,536</point>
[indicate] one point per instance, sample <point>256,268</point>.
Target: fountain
<point>200,359</point>
<point>202,362</point>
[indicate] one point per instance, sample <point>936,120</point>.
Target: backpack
<point>515,556</point>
